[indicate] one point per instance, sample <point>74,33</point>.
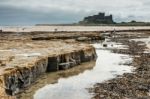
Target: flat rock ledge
<point>22,62</point>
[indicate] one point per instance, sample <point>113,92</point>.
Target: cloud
<point>15,16</point>
<point>69,11</point>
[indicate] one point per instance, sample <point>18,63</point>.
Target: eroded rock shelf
<point>21,63</point>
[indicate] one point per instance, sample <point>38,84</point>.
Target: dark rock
<point>104,45</point>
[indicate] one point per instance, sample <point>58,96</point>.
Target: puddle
<point>108,66</point>
<point>109,45</point>
<point>146,41</point>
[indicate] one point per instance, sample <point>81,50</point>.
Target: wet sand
<point>70,28</point>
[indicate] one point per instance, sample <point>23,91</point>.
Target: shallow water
<point>110,46</point>
<point>108,65</point>
<point>146,41</point>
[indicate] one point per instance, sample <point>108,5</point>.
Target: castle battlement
<point>100,18</point>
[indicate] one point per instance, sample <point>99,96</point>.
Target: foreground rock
<point>22,62</point>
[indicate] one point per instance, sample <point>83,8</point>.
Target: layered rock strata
<point>24,61</point>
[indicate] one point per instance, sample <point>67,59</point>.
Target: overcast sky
<point>30,12</point>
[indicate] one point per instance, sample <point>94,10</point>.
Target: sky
<point>30,12</point>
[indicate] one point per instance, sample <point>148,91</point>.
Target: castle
<point>98,19</point>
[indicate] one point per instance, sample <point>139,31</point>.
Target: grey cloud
<point>15,16</point>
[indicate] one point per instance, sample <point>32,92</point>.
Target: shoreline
<point>130,85</point>
<point>45,53</point>
<point>28,29</point>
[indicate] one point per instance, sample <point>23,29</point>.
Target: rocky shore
<point>134,85</point>
<point>22,62</point>
<point>24,56</point>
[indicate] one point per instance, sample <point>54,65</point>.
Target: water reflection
<point>108,65</point>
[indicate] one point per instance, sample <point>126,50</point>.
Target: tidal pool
<point>146,41</point>
<point>108,66</point>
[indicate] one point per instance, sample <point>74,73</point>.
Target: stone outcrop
<point>37,35</point>
<point>23,62</point>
